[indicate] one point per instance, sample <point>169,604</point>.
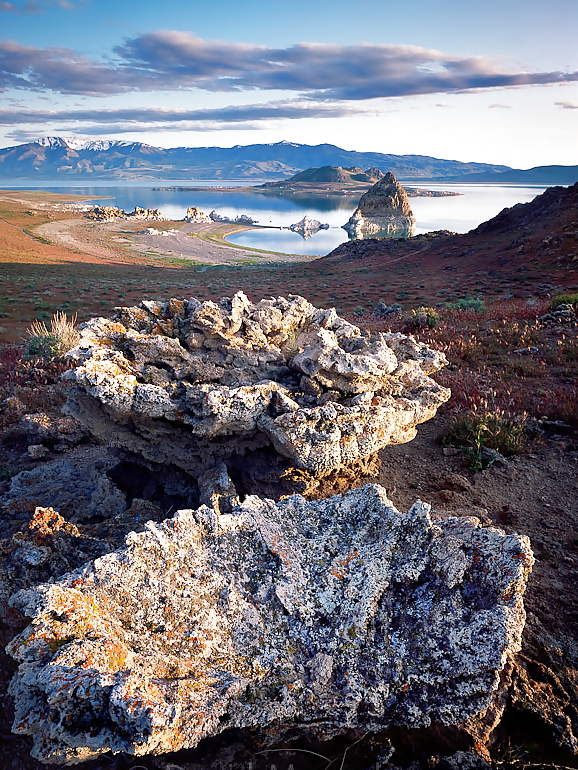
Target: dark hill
<point>329,175</point>
<point>521,251</point>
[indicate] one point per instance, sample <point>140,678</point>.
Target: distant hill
<point>329,175</point>
<point>549,175</point>
<point>56,157</point>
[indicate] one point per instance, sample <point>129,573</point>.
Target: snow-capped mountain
<point>52,157</point>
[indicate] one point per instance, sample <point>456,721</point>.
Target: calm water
<point>476,204</point>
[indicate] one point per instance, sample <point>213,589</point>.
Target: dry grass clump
<point>54,342</point>
<point>484,429</point>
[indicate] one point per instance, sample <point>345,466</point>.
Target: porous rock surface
<point>384,211</point>
<point>320,617</point>
<point>193,383</point>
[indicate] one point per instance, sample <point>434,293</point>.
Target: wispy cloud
<point>39,6</point>
<point>169,60</point>
<point>497,106</point>
<point>567,105</point>
<point>232,115</point>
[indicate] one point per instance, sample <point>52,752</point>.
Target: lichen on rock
<point>316,617</point>
<point>194,383</point>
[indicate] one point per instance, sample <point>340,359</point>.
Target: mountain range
<point>53,158</point>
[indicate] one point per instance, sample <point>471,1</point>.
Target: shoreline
<point>124,241</point>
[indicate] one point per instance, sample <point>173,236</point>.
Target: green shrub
<point>563,299</point>
<point>54,342</point>
<point>423,317</point>
<point>468,303</point>
<point>499,430</point>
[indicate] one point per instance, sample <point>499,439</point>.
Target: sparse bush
<point>468,303</point>
<point>474,431</point>
<point>54,342</point>
<point>563,299</point>
<point>421,318</point>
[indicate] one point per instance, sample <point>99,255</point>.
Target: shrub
<point>563,299</point>
<point>54,342</point>
<point>468,303</point>
<point>422,317</point>
<point>474,431</point>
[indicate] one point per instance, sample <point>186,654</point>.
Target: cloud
<point>567,105</point>
<point>63,70</point>
<point>169,60</point>
<point>38,6</point>
<point>286,109</point>
<point>497,106</point>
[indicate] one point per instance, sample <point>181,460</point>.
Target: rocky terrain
<point>67,501</point>
<point>102,497</point>
<point>383,211</point>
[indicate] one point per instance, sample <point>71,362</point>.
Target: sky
<point>493,81</point>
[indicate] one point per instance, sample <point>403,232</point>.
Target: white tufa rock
<point>308,227</point>
<point>196,216</point>
<point>190,383</point>
<point>311,617</point>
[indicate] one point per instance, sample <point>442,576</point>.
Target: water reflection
<point>475,204</point>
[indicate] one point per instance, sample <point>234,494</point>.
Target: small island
<point>326,180</point>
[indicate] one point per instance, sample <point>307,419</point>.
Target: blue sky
<point>493,81</point>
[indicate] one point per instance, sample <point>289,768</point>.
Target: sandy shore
<point>200,243</point>
<point>126,240</point>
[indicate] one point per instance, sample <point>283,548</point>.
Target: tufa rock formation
<point>196,216</point>
<point>105,213</point>
<point>242,219</point>
<point>308,227</point>
<point>193,384</point>
<point>383,211</point>
<point>111,213</point>
<point>284,618</point>
<point>140,213</point>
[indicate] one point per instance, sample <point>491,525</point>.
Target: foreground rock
<point>302,617</point>
<point>308,227</point>
<point>383,211</point>
<point>194,384</point>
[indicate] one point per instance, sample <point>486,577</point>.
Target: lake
<point>475,204</point>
